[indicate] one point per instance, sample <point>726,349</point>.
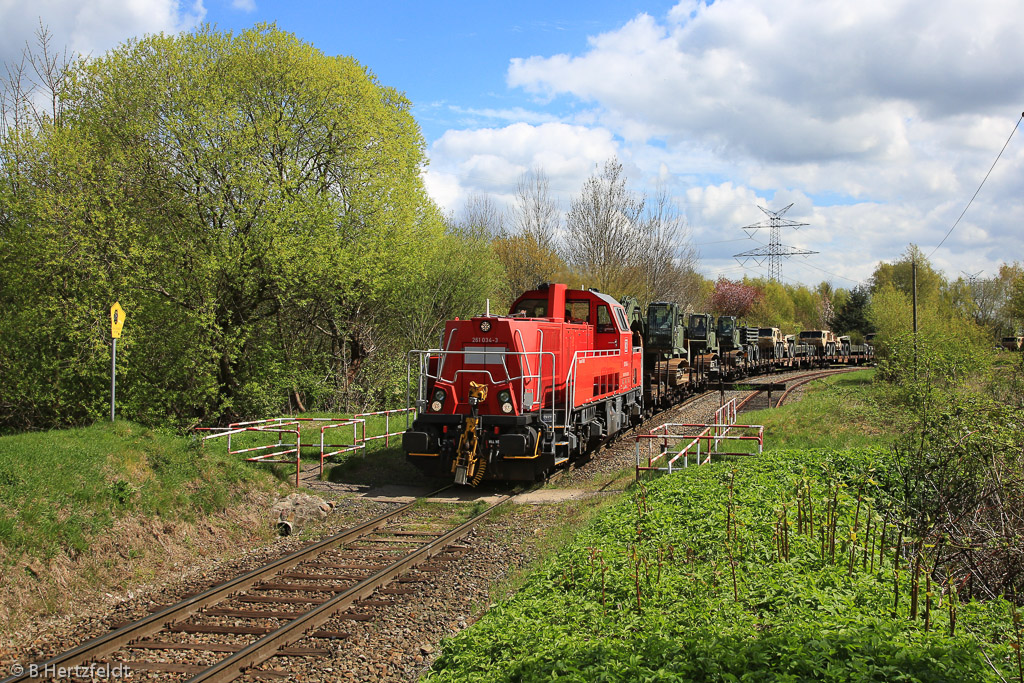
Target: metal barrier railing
<point>282,426</point>
<point>356,444</point>
<point>666,458</point>
<point>387,423</point>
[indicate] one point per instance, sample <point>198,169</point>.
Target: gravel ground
<point>404,635</point>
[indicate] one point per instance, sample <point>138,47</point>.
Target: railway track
<point>792,382</point>
<point>258,626</point>
<point>236,627</point>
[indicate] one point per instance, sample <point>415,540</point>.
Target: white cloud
<point>512,115</point>
<point>881,117</point>
<point>244,5</point>
<point>91,26</point>
<point>792,80</point>
<point>490,160</point>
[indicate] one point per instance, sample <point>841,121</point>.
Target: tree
<point>535,213</point>
<point>775,308</point>
<point>851,318</point>
<point>930,282</point>
<point>603,238</point>
<point>257,206</point>
<point>806,307</point>
<point>734,298</point>
<point>481,214</point>
<point>528,250</point>
<point>666,257</point>
<point>985,299</point>
<point>1015,303</point>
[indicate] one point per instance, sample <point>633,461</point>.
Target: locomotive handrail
<point>522,345</point>
<point>440,365</point>
<point>570,376</point>
<point>425,374</point>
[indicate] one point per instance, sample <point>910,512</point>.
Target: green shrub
<point>647,592</point>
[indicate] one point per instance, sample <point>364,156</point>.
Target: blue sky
<point>450,58</point>
<point>876,119</point>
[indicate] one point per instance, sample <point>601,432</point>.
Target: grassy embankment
<point>107,507</point>
<point>778,568</point>
<point>112,505</point>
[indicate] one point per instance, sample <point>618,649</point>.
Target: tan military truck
<point>1012,343</point>
<point>771,342</point>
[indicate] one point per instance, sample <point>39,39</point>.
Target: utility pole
<point>775,250</point>
<point>913,278</point>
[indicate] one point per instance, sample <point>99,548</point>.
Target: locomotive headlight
<point>485,326</point>
<point>506,408</point>
<point>505,399</point>
<point>438,401</point>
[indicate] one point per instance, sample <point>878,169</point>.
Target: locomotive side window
<point>604,319</point>
<point>577,311</point>
<point>532,308</point>
<point>620,315</point>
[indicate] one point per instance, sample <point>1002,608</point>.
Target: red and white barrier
<point>699,442</point>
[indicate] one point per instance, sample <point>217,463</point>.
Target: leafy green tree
<point>806,307</point>
<point>255,205</point>
<point>775,308</point>
<point>931,285</point>
<point>851,317</point>
<point>1015,303</point>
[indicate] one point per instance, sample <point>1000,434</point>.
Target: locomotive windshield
<point>532,308</point>
<point>698,326</point>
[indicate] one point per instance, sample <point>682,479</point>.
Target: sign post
<point>116,323</point>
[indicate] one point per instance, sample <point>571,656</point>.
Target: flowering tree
<point>734,298</point>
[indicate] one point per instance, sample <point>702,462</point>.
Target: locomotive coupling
<point>469,465</point>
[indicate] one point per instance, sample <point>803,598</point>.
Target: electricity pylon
<point>775,249</point>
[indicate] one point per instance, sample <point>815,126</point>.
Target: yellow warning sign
<point>116,320</point>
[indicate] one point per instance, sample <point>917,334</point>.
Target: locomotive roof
<point>545,292</point>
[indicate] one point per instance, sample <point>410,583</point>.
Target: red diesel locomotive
<point>512,397</point>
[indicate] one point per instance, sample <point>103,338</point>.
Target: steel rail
<point>805,378</point>
<point>266,647</point>
<point>808,380</point>
<point>117,639</point>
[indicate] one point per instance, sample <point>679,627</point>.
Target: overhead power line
<point>950,231</point>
